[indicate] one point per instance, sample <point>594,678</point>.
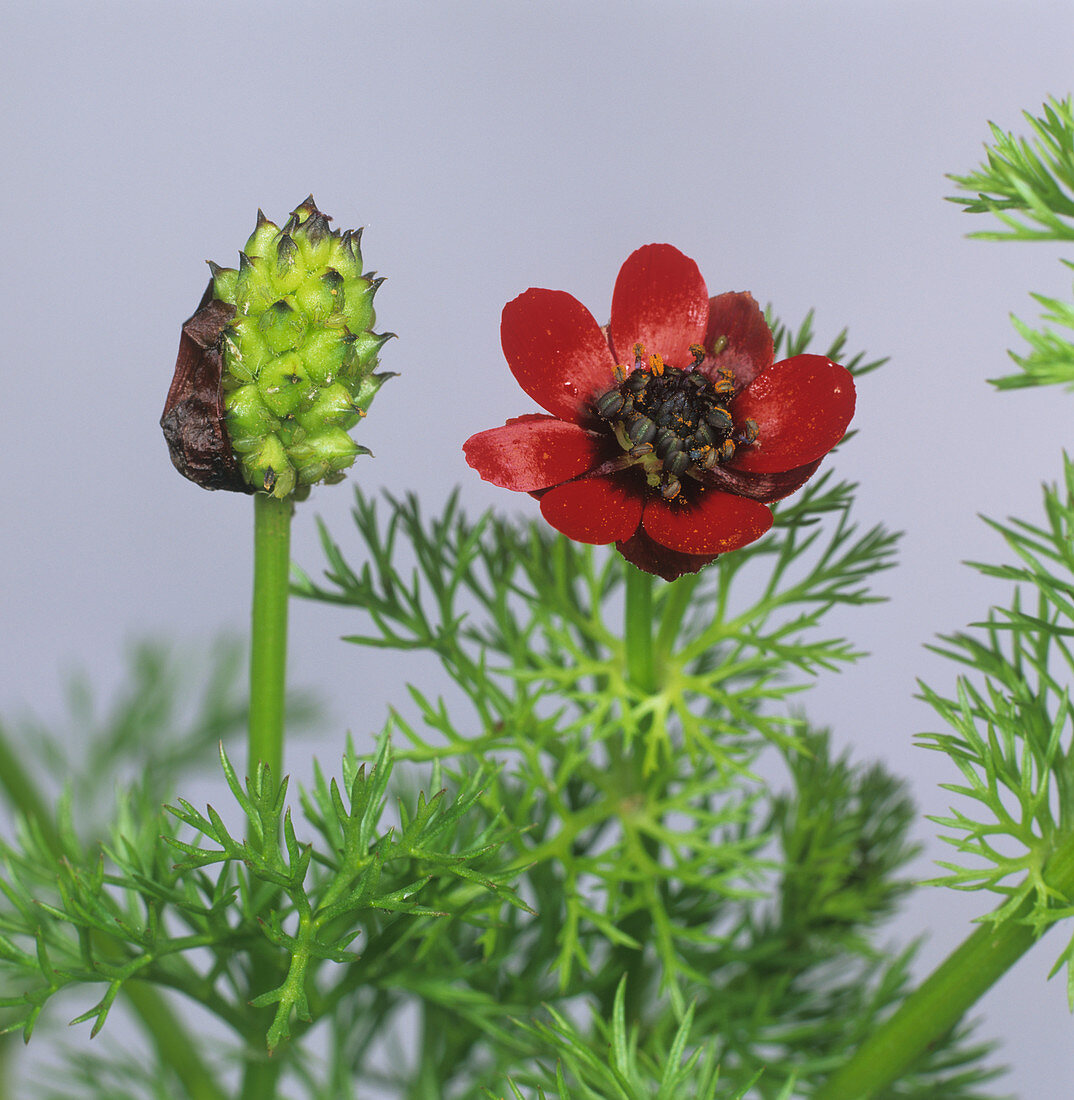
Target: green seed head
<point>299,355</point>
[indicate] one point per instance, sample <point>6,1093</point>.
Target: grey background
<point>797,150</point>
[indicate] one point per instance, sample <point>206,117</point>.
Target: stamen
<point>610,404</point>
<point>673,423</point>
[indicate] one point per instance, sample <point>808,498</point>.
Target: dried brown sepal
<point>193,420</point>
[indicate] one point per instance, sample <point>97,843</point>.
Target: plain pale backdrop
<point>795,150</point>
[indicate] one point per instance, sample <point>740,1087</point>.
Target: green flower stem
<point>268,636</point>
<point>946,995</point>
<point>268,680</point>
<point>259,1079</point>
<point>640,662</point>
<point>171,1042</point>
<point>679,595</point>
<point>641,675</point>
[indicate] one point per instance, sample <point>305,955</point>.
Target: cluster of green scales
<point>299,355</point>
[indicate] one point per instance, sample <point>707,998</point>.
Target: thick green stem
<point>172,1042</point>
<point>268,636</point>
<point>641,674</point>
<point>679,595</point>
<point>640,665</point>
<point>945,996</point>
<point>259,1080</point>
<point>268,683</point>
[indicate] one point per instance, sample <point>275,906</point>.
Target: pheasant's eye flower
<point>277,364</point>
<point>670,430</point>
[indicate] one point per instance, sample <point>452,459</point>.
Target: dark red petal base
<point>651,557</point>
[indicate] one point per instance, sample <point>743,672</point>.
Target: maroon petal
<point>766,488</point>
<point>595,510</point>
<point>802,407</point>
<point>640,550</point>
<point>738,318</point>
<point>661,302</point>
<point>713,523</point>
<point>556,351</point>
<point>532,452</point>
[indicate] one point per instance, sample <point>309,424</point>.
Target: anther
<point>642,430</point>
<point>719,418</point>
<point>610,404</point>
<point>670,489</point>
<point>702,435</point>
<point>666,440</point>
<point>620,372</point>
<point>698,352</point>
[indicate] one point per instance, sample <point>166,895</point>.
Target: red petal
<point>749,349</point>
<point>556,351</point>
<point>660,301</point>
<point>802,407</point>
<point>531,452</point>
<point>766,487</point>
<point>640,550</point>
<point>595,509</point>
<point>712,524</point>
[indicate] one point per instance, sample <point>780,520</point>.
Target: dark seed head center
<point>671,422</point>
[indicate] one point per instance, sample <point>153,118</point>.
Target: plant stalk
<point>641,674</point>
<point>946,995</point>
<point>268,634</point>
<point>259,1079</point>
<point>172,1042</point>
<point>640,653</point>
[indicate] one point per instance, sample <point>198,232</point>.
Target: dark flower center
<point>673,423</point>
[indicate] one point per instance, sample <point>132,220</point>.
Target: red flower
<point>669,430</point>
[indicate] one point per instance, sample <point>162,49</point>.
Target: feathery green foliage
<point>1011,730</point>
<point>579,886</point>
<point>1028,185</point>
